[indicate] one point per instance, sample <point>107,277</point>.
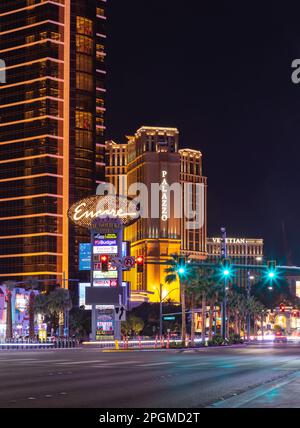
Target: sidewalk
<point>282,393</point>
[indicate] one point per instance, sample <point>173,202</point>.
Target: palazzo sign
<point>164,197</point>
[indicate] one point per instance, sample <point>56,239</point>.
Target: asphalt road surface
<point>90,378</point>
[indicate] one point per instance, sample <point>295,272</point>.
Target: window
<point>84,120</point>
<point>84,26</point>
<point>100,11</point>
<point>84,45</point>
<point>84,82</point>
<point>84,63</point>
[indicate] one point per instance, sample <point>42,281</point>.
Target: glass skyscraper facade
<point>52,149</point>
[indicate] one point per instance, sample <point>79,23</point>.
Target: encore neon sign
<point>86,211</point>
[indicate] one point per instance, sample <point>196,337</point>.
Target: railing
<point>139,343</point>
<point>32,344</point>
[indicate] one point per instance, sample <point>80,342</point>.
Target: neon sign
<point>86,211</point>
<point>164,197</point>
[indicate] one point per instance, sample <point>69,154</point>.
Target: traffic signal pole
<point>248,299</point>
<point>224,304</point>
<point>160,310</point>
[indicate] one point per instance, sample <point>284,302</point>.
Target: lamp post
<point>224,309</point>
<point>248,300</point>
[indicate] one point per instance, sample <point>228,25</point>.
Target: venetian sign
<point>85,212</point>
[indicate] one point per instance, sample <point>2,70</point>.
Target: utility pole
<point>160,310</point>
<point>248,299</point>
<point>224,305</point>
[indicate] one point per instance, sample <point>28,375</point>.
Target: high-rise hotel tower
<point>51,131</point>
<point>151,156</point>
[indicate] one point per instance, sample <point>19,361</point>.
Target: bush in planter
<point>234,339</point>
<point>216,341</point>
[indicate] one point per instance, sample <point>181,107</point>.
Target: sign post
<point>224,305</point>
<point>105,217</point>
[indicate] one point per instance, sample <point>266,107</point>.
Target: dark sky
<point>220,71</point>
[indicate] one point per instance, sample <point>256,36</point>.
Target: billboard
<point>85,250</point>
<point>82,287</point>
<point>112,249</point>
<point>105,275</point>
<point>84,257</point>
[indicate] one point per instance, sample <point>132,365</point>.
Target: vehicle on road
<point>280,337</point>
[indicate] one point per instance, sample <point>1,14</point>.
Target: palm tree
<point>255,308</point>
<point>10,286</point>
<point>59,302</point>
<point>54,305</point>
<point>173,275</point>
<point>202,282</point>
<point>32,284</point>
<point>200,286</point>
<point>192,297</point>
<point>214,294</point>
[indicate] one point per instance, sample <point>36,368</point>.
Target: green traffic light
<point>181,271</point>
<point>271,275</point>
<point>226,272</point>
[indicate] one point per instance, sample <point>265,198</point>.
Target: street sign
<point>169,318</point>
<point>129,262</point>
<point>120,313</point>
<point>116,261</point>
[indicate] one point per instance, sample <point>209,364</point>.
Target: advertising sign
<point>84,257</point>
<point>105,242</point>
<point>21,302</point>
<point>2,304</point>
<point>85,250</point>
<point>82,287</point>
<point>106,283</point>
<point>105,236</point>
<point>105,275</point>
<point>104,324</point>
<point>113,249</point>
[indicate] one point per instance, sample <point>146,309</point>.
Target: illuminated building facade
<point>116,166</point>
<point>239,251</point>
<point>51,131</point>
<point>193,240</point>
<point>153,157</point>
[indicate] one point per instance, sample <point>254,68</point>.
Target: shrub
<point>216,341</point>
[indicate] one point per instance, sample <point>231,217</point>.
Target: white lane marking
<point>47,361</point>
<point>119,363</point>
<point>195,365</point>
<point>79,362</point>
<point>156,364</point>
<point>14,360</point>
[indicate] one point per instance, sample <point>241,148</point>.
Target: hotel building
<point>241,251</point>
<point>152,155</point>
<point>51,131</point>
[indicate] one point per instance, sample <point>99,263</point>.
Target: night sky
<point>220,71</point>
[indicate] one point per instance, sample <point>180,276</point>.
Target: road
<point>90,378</point>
